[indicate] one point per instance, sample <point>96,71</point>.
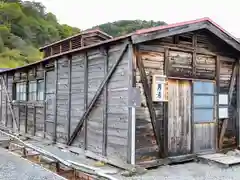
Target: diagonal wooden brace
<point>96,96</point>
<point>148,96</point>
<point>9,103</point>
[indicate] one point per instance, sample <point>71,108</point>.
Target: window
<point>32,91</point>
<point>40,88</point>
<point>203,101</point>
<point>21,91</point>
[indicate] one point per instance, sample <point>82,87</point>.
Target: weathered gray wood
<point>232,83</point>
<point>55,101</point>
<point>105,107</point>
<point>131,109</point>
<point>238,104</point>
<point>85,97</point>
<point>148,95</point>
<point>79,126</point>
<point>140,38</point>
<point>69,96</point>
<point>44,98</point>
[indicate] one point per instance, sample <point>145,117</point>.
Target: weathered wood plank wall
<point>70,88</point>
<point>146,147</point>
<point>189,56</point>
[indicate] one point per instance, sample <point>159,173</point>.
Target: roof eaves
<point>69,52</point>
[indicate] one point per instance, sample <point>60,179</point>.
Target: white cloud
<point>87,13</point>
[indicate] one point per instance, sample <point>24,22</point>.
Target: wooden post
<point>165,106</point>
<point>131,108</point>
<point>238,104</point>
<point>217,97</point>
<point>34,120</point>
<point>55,102</point>
<point>6,101</point>
<point>85,96</point>
<point>26,109</point>
<point>45,104</point>
<point>69,96</point>
<point>105,102</point>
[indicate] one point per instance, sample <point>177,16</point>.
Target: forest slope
<point>25,26</point>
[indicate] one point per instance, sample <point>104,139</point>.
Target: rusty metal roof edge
<point>138,32</point>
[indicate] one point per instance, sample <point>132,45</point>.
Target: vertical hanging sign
<point>159,88</point>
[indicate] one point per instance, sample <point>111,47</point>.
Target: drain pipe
<point>81,167</point>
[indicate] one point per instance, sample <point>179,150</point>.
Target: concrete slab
<point>222,159</point>
<point>15,168</point>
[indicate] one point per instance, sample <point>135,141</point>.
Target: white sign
<point>223,112</point>
<point>223,99</point>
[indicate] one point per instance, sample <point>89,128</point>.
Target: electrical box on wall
<point>159,88</point>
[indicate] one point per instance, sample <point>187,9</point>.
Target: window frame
<point>38,95</point>
<point>204,107</point>
<point>32,92</point>
<point>20,91</point>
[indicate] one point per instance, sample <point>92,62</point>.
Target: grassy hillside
<point>25,26</point>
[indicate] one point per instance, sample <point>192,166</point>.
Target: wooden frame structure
<point>98,97</point>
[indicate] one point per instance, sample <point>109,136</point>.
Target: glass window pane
<point>203,101</point>
<point>203,87</point>
<point>203,115</point>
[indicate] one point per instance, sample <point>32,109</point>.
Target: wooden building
<point>156,93</point>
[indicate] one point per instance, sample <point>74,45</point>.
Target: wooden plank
<point>232,83</point>
<point>34,120</point>
<point>165,107</point>
<point>105,80</point>
<point>222,133</point>
<point>105,99</point>
<point>238,104</point>
<point>140,38</point>
<point>55,101</point>
<point>217,95</point>
<point>69,97</point>
<point>148,96</point>
<point>44,106</point>
<point>131,109</point>
<point>85,93</point>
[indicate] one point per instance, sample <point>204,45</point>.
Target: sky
<point>87,13</point>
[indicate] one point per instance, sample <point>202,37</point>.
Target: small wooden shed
<point>156,93</point>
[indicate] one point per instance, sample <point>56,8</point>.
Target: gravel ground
<point>191,171</point>
<point>13,167</point>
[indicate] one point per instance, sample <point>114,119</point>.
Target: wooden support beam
<point>1,109</point>
<point>69,96</point>
<point>232,83</point>
<point>238,104</point>
<point>230,93</point>
<point>148,96</point>
<point>34,120</point>
<point>105,102</point>
<point>55,101</point>
<point>85,96</point>
<point>6,101</point>
<point>92,103</point>
<point>45,104</point>
<point>131,108</point>
<point>165,106</point>
<point>217,97</point>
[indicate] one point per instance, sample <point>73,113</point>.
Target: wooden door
<point>204,116</point>
<point>179,117</point>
